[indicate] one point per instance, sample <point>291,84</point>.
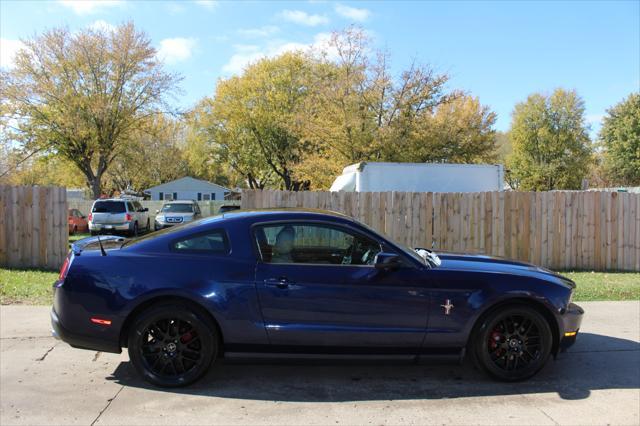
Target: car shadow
<point>594,362</point>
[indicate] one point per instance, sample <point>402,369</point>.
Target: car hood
<point>482,263</point>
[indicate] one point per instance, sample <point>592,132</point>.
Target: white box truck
<point>420,177</point>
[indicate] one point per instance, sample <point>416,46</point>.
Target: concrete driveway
<point>43,381</point>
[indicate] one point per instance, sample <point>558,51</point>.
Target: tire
<point>159,350</point>
<point>148,228</point>
<point>134,231</point>
<point>74,230</point>
<point>513,343</point>
<point>93,233</point>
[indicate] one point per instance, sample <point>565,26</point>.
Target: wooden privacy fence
<point>33,226</point>
<point>560,230</point>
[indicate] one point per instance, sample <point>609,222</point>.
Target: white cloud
<point>208,4</point>
<point>102,25</point>
<point>248,54</point>
<point>174,50</point>
<point>89,7</point>
<point>353,13</point>
<point>261,32</point>
<point>303,18</point>
<point>8,50</point>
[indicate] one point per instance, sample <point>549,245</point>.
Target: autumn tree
<point>252,120</point>
<point>81,95</point>
<point>620,138</point>
<point>153,155</point>
<point>551,145</point>
<point>358,111</point>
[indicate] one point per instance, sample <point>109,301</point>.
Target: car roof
<point>180,202</point>
<point>284,213</point>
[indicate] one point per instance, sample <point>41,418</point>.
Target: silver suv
<point>118,215</point>
<point>176,212</point>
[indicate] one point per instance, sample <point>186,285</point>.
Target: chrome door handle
<point>281,282</point>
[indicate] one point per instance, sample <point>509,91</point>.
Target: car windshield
<point>108,207</point>
<point>177,208</point>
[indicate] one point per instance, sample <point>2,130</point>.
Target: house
<point>187,188</point>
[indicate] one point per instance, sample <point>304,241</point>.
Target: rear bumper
<point>79,341</point>
<point>572,319</point>
<point>109,227</point>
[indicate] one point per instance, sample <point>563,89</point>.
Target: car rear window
<point>211,241</point>
<point>108,207</point>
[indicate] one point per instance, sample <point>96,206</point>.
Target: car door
<point>318,289</point>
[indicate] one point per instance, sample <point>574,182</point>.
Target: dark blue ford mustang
<point>304,283</point>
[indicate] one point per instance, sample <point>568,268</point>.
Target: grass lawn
<point>605,285</point>
<point>28,286</point>
<point>78,236</point>
<point>33,286</point>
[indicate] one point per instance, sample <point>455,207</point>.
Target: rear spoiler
<point>79,245</point>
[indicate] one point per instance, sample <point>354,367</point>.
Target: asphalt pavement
<point>44,381</point>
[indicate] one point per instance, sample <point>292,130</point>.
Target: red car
<point>77,222</point>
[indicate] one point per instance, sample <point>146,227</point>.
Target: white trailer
<point>420,177</point>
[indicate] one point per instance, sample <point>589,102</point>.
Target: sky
<point>498,51</point>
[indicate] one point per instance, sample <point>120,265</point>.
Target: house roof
<point>187,183</point>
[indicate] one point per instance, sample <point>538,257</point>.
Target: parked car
<point>77,221</point>
<point>176,213</point>
<point>115,215</point>
<point>228,208</point>
<point>304,283</point>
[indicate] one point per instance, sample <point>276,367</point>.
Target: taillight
<point>64,269</point>
<point>90,217</point>
<point>128,217</point>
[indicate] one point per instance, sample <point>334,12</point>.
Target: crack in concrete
<point>26,337</point>
<point>96,356</point>
<point>46,353</point>
<point>548,416</point>
<point>109,401</point>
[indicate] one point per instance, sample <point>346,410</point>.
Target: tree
<point>551,146</point>
<point>252,120</point>
<point>458,131</point>
<point>81,95</point>
<point>620,138</point>
<point>357,111</point>
<point>153,155</point>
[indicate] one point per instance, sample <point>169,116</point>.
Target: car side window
<point>212,241</point>
<point>130,206</point>
<point>314,244</point>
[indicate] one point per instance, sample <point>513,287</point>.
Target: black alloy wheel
<point>172,345</point>
<point>513,343</point>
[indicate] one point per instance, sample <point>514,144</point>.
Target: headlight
<point>160,219</point>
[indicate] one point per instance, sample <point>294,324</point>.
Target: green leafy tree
<point>81,95</point>
<point>551,146</point>
<point>620,137</point>
<point>252,120</point>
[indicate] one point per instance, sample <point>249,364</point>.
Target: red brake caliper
<point>494,339</point>
<point>186,338</point>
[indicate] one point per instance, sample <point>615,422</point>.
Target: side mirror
<point>145,209</point>
<point>83,216</point>
<point>387,261</point>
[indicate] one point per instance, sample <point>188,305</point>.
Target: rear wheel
<point>172,345</point>
<point>134,231</point>
<point>513,343</point>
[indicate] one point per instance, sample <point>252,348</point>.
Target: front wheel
<point>513,343</point>
<point>172,345</point>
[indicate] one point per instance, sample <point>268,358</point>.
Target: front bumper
<point>571,321</point>
<point>59,332</point>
